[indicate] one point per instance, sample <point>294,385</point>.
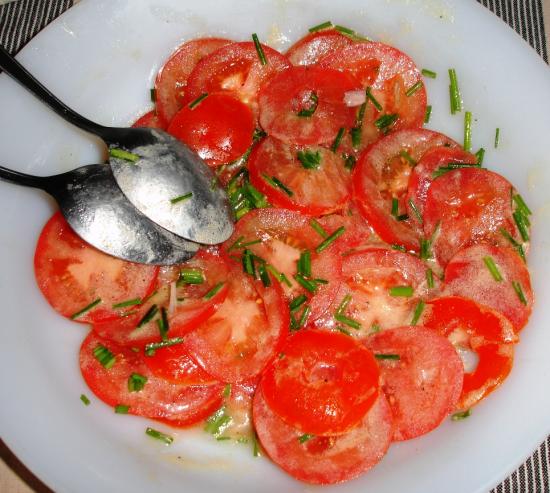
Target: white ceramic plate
<point>101,58</point>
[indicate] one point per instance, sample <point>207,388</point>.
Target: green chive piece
<point>493,269</point>
<point>320,281</point>
<point>338,139</point>
<point>214,291</point>
<point>259,49</point>
<point>86,309</point>
<point>278,275</point>
<point>515,244</point>
<point>372,99</point>
<point>297,302</point>
<point>467,131</point>
<point>411,90</point>
<point>402,291</point>
<point>521,223</point>
<point>346,31</point>
<point>218,422</point>
<point>318,228</point>
<point>309,159</point>
<point>407,157</point>
<point>497,137</point>
<point>456,101</point>
<point>149,315</point>
<point>429,73</point>
<point>306,283</point>
<point>330,239</point>
<point>451,167</point>
<point>480,155</point>
<point>521,205</point>
<point>136,382</point>
<point>519,291</point>
<point>375,328</point>
<point>394,207</point>
<point>104,356</point>
<point>124,304</point>
<point>227,390</point>
<point>355,133</point>
<point>181,198</point>
<point>399,248</point>
<point>163,437</point>
<point>349,161</point>
<point>264,276</point>
<point>313,101</point>
<point>344,304</point>
<point>305,437</point>
<point>319,27</point>
<point>256,452</point>
<point>413,207</point>
<point>248,263</point>
<point>240,243</point>
<point>124,155</point>
<point>303,318</point>
<point>193,104</point>
<point>428,113</point>
<point>385,122</point>
<point>276,183</point>
<point>350,322</point>
<point>341,329</point>
<point>221,439</point>
<point>387,356</point>
<point>153,346</point>
<point>153,95</point>
<point>121,409</point>
<point>461,415</point>
<point>85,399</point>
<point>162,324</point>
<point>191,276</point>
<point>430,278</point>
<point>418,312</point>
<point>304,263</point>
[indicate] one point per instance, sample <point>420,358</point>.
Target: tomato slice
<point>150,120</point>
<point>305,105</point>
<point>178,405</point>
<point>382,288</point>
<point>237,68</point>
<point>315,46</point>
<point>171,82</point>
<point>468,275</point>
<point>382,175</point>
<point>185,304</point>
<point>390,75</point>
<point>475,328</point>
<point>279,237</point>
<point>73,275</point>
<point>319,190</point>
<point>240,339</point>
<point>324,459</point>
<point>219,129</point>
<point>424,382</point>
<point>323,383</point>
<point>467,206</point>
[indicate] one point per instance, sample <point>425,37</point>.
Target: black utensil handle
<point>15,70</point>
<point>24,179</point>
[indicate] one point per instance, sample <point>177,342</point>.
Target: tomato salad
<point>375,284</point>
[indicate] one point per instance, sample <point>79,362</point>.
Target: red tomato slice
<point>382,174</point>
<point>236,68</point>
<point>284,235</point>
<point>324,459</point>
<point>171,82</point>
<point>390,74</point>
<point>150,120</point>
<point>468,275</point>
<point>183,315</point>
<point>179,405</point>
<point>72,275</point>
<point>219,129</point>
<point>317,191</point>
<point>467,206</point>
<point>422,176</point>
<point>424,384</point>
<point>315,46</point>
<point>373,283</point>
<point>240,339</point>
<point>324,383</point>
<point>300,89</point>
<point>473,327</point>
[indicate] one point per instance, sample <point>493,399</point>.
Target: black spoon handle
<point>24,179</point>
<point>15,70</point>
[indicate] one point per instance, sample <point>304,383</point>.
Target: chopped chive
<point>521,223</point>
<point>276,183</point>
<point>518,246</point>
<point>303,318</point>
<point>375,328</point>
<point>255,446</point>
<point>350,322</point>
<point>104,356</point>
<point>181,198</point>
<point>385,122</point>
<point>394,207</point>
<point>399,248</point>
<point>221,439</point>
<point>319,27</point>
<point>341,329</point>
<point>355,133</point>
<point>297,302</point>
<point>330,239</point>
<point>305,437</point>
<point>121,409</point>
<point>304,263</point>
<point>480,155</point>
<point>519,291</point>
<point>153,94</point>
<point>413,207</point>
<point>193,104</point>
<point>124,304</point>
<point>338,139</point>
<point>344,304</point>
<point>248,263</point>
<point>407,157</point>
<point>136,382</point>
<point>264,276</point>
<point>521,205</point>
<point>344,30</point>
<point>493,269</point>
<point>456,101</point>
<point>309,159</point>
<point>418,312</point>
<point>411,90</point>
<point>430,278</point>
<point>218,422</point>
<point>259,49</point>
<point>318,228</point>
<point>320,281</point>
<point>497,137</point>
<point>461,415</point>
<point>191,276</point>
<point>153,346</point>
<point>467,131</point>
<point>122,154</point>
<point>429,73</point>
<point>402,291</point>
<point>227,390</point>
<point>372,99</point>
<point>428,113</point>
<point>162,324</point>
<point>85,399</point>
<point>305,283</point>
<point>214,291</point>
<point>451,167</point>
<point>313,100</point>
<point>350,33</point>
<point>86,309</point>
<point>349,161</point>
<point>387,356</point>
<point>163,437</point>
<point>425,251</point>
<point>149,315</point>
<point>278,275</point>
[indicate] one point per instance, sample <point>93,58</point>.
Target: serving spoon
<point>152,168</point>
<point>97,210</point>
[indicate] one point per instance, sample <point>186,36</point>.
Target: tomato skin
<point>219,129</point>
<point>171,81</point>
<point>315,46</point>
<point>149,120</point>
<point>72,274</point>
<point>324,384</point>
<point>324,460</point>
